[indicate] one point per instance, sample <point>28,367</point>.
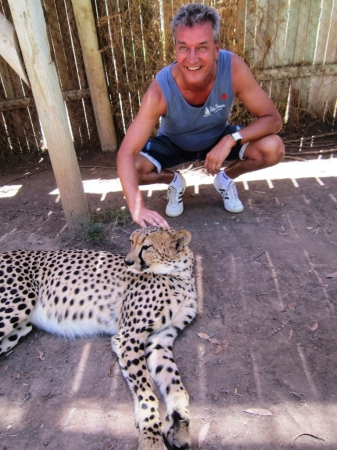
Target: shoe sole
<point>175,214</point>
<point>234,211</point>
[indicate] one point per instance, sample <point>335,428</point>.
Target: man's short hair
<point>196,14</point>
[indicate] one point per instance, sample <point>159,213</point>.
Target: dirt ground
<point>263,293</point>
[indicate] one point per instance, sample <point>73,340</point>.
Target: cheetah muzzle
<point>144,300</point>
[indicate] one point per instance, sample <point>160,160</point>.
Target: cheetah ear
<point>180,239</point>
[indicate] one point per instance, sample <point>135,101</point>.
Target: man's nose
<point>192,55</point>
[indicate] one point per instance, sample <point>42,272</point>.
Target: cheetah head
<point>159,250</point>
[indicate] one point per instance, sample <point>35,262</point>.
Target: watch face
<point>237,136</point>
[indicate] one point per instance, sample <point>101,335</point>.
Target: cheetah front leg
<point>131,358</point>
<point>165,373</point>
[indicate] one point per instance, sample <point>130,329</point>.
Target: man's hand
<point>215,158</point>
<point>145,217</point>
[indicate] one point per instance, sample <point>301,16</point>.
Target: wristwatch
<point>237,137</point>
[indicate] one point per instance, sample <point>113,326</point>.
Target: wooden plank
<point>14,120</point>
<point>279,94</point>
<point>295,107</point>
<point>95,73</point>
<point>331,101</point>
<point>317,89</point>
<point>279,49</point>
<point>312,30</point>
<point>323,89</point>
<point>86,124</point>
<point>331,50</point>
<point>28,102</point>
<point>238,44</point>
<point>302,30</point>
<point>298,71</point>
<point>58,30</point>
<point>22,125</point>
<point>323,32</point>
<point>292,31</point>
<point>9,48</point>
<point>32,34</point>
<point>263,39</point>
<point>250,32</point>
<point>321,94</point>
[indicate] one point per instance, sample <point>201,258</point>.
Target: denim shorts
<point>164,154</point>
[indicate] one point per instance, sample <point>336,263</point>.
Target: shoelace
<point>172,195</point>
<point>231,193</point>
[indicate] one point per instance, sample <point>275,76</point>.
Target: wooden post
<point>94,70</point>
<point>30,27</point>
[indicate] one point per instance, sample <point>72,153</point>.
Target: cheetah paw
<point>177,436</point>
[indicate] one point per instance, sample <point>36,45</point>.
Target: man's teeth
<point>194,68</point>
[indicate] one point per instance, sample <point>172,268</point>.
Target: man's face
<point>196,52</point>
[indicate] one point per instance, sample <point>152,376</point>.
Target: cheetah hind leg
<point>10,341</point>
<point>165,373</point>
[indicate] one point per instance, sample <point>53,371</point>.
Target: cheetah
<point>143,300</point>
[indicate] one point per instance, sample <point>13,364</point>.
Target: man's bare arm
<point>255,99</point>
<point>152,107</point>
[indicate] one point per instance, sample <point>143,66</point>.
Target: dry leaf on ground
<point>314,327</point>
<point>258,412</point>
<point>214,341</point>
<point>332,275</point>
<point>306,434</point>
<point>203,336</point>
<point>218,350</point>
<point>203,434</point>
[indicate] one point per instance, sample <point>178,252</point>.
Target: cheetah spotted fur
<point>144,300</point>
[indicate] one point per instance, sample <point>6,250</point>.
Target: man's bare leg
<point>265,152</point>
<point>147,172</point>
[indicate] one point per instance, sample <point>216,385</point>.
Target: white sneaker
<point>174,196</point>
<point>230,197</point>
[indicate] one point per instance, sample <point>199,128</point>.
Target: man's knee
<point>144,167</point>
<point>276,148</point>
<point>269,150</point>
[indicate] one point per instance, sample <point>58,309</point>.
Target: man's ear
<point>217,49</point>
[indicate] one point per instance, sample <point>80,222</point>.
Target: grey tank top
<point>197,128</point>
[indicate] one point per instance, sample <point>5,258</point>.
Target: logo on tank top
<point>213,109</point>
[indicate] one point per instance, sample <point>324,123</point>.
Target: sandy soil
<point>263,293</point>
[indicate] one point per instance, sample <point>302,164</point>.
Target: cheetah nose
<point>129,262</point>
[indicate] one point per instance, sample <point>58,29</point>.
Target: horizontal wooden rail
<point>297,71</point>
<point>28,102</point>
